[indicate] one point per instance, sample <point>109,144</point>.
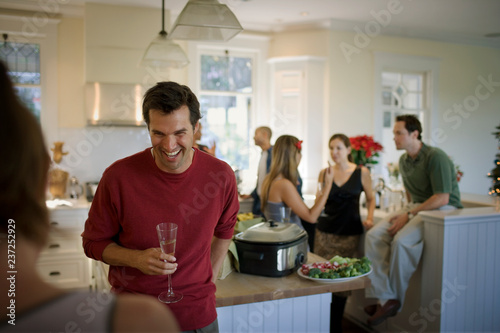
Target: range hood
<point>114,104</point>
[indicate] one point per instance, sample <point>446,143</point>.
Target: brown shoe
<point>372,308</point>
<point>389,309</point>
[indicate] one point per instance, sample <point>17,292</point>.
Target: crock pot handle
<point>253,255</point>
<point>300,259</point>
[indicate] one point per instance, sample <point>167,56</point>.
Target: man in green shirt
<point>395,245</point>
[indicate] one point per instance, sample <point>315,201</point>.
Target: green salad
<point>338,267</point>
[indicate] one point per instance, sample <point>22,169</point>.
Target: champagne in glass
<point>167,234</point>
<point>285,213</point>
<point>168,247</point>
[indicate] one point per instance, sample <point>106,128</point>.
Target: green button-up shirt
<point>431,172</point>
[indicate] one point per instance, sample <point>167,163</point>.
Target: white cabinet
<point>62,262</point>
<point>101,271</point>
<point>298,314</point>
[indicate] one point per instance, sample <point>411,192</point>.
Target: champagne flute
<point>285,213</point>
<point>167,234</point>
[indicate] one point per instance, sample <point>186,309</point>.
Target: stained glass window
<point>23,62</point>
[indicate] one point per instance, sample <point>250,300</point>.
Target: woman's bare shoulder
<point>365,171</point>
<point>142,313</point>
<point>283,183</point>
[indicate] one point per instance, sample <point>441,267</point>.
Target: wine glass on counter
<point>167,234</point>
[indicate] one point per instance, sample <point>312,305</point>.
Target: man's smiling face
<point>172,137</point>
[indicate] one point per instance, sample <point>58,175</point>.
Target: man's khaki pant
<point>394,260</point>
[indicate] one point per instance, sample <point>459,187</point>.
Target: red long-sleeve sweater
<point>134,195</point>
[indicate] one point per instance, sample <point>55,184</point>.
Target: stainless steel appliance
<point>271,249</point>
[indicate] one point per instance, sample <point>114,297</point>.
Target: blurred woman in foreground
<point>32,304</point>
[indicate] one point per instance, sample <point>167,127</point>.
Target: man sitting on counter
<point>395,245</point>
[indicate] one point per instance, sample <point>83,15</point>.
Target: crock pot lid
<point>272,232</point>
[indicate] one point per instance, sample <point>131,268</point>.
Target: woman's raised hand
<point>328,177</point>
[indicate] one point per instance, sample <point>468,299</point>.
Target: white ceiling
<point>458,21</point>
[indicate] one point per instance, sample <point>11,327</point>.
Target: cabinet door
<point>66,272</point>
<point>68,220</point>
<point>60,245</point>
<point>62,261</point>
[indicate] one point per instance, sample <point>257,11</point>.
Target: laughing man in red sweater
<point>170,182</point>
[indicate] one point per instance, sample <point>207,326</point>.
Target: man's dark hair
<point>168,97</point>
<point>411,124</point>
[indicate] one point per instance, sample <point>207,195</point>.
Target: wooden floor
<point>350,327</point>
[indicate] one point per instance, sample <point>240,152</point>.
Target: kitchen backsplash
<point>92,149</point>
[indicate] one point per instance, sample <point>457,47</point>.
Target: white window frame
<point>407,63</point>
<point>38,28</point>
<point>246,45</point>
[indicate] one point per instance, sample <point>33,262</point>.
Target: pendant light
<point>163,52</point>
<point>205,20</point>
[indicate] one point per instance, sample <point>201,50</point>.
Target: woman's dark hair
<point>168,97</point>
<point>346,142</point>
<point>411,124</point>
<point>25,163</point>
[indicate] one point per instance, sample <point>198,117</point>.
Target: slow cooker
<point>271,249</point>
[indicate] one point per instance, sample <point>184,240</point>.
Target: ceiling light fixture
<point>162,52</point>
<point>205,20</point>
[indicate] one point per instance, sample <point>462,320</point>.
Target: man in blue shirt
<point>262,139</point>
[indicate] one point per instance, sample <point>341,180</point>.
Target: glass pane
<point>387,119</point>
<point>390,79</point>
<point>225,73</point>
<point>412,101</point>
<point>30,96</point>
<point>400,91</point>
<point>397,99</point>
<point>413,82</point>
<point>386,98</point>
<point>226,123</point>
<point>23,61</point>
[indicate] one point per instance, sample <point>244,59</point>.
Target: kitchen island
<point>456,286</point>
<point>247,303</point>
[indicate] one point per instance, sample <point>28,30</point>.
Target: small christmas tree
<point>495,173</point>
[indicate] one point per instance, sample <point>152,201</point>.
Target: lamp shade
<point>162,52</point>
<point>205,20</point>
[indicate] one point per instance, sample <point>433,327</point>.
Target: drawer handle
<point>54,273</point>
<point>54,223</point>
<point>54,246</point>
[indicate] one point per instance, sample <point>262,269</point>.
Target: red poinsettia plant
<point>364,149</point>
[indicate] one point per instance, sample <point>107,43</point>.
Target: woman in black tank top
<point>339,228</point>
